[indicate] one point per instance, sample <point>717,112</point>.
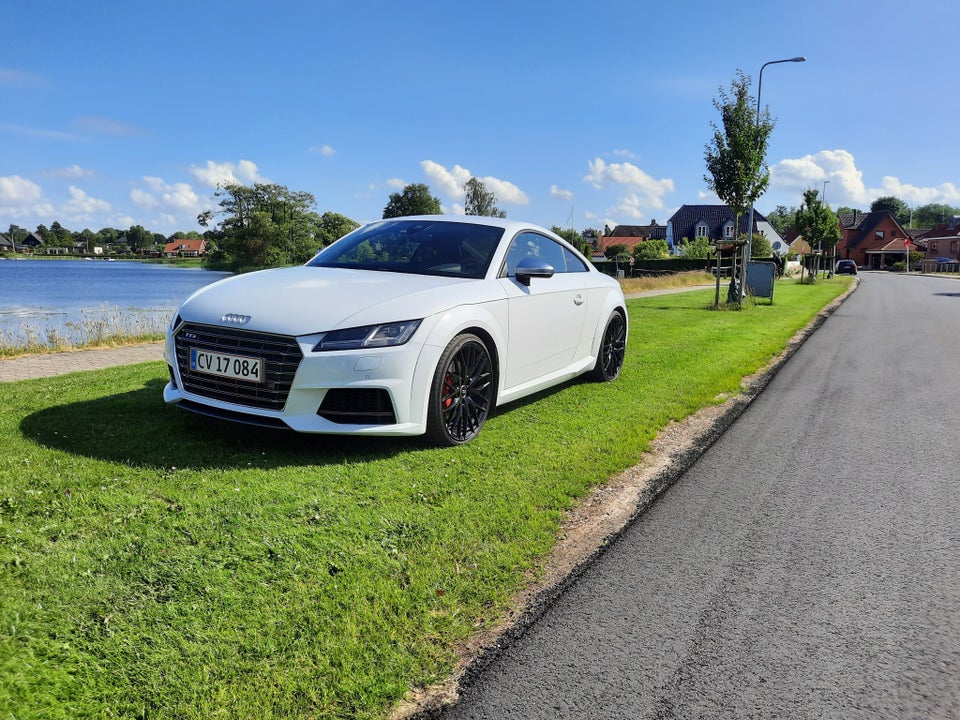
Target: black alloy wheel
<point>612,349</point>
<point>461,394</point>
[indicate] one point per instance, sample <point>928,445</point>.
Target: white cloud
<point>631,205</point>
<point>641,192</point>
<point>451,183</point>
<point>946,193</point>
<point>838,168</point>
<point>557,194</point>
<point>324,150</point>
<point>22,200</point>
<point>143,198</point>
<point>177,197</point>
<point>394,183</point>
<point>82,207</point>
<point>15,190</point>
<point>629,175</point>
<point>624,154</point>
<point>505,191</point>
<point>218,174</point>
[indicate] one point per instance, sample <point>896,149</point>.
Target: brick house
<point>633,235</point>
<point>185,248</point>
<point>943,241</point>
<point>873,240</point>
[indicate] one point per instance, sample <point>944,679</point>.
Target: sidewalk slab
<point>28,367</point>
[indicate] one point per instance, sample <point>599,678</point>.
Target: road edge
<point>635,491</point>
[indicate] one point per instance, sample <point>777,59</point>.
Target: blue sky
<point>574,114</point>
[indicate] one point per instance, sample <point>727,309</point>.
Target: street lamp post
<point>749,246</point>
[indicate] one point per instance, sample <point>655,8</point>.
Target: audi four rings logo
<point>235,319</point>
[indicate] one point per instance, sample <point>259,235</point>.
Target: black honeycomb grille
<point>281,357</point>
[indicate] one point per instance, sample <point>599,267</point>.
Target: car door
<point>546,317</point>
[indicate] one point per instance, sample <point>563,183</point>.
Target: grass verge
<point>156,564</point>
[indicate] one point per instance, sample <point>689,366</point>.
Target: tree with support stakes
<point>736,169</point>
<point>818,225</point>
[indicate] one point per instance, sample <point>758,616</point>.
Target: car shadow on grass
<point>137,428</point>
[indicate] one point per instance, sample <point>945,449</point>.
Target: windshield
<point>424,247</point>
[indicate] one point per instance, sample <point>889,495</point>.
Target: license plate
<point>237,367</point>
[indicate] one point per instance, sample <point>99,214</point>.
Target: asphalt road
<point>807,566</point>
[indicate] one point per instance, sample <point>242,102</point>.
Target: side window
<point>532,245</point>
<point>574,264</point>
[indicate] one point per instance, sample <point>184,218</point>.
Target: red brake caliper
<point>447,390</point>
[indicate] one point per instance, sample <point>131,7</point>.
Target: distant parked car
<point>848,267</point>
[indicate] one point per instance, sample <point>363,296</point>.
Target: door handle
<point>578,299</point>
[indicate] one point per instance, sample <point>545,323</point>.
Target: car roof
<point>508,225</point>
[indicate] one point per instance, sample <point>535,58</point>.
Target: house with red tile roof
<point>632,235</point>
<point>873,240</point>
<point>185,248</point>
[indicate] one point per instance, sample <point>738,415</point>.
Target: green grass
<point>154,564</point>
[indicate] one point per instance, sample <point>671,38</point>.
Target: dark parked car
<point>848,267</point>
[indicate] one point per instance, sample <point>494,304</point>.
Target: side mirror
<point>530,268</point>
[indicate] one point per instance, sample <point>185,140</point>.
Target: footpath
<point>28,367</point>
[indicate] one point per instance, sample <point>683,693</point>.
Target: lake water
<point>78,298</point>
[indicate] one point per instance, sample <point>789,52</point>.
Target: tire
<point>612,349</point>
<point>461,393</point>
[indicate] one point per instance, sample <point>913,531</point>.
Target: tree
<point>61,236</point>
<point>651,250</point>
<point>414,199</point>
<point>88,239</point>
<point>138,237</point>
<point>760,246</point>
<point>817,222</point>
<point>107,235</point>
<point>17,234</point>
<point>928,216</point>
<point>333,226</point>
<point>265,225</point>
<point>480,201</point>
<point>700,249</point>
<point>895,206</point>
<point>737,172</point>
<point>617,252</point>
<point>782,219</point>
<point>46,235</point>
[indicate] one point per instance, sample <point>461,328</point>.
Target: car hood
<point>306,300</point>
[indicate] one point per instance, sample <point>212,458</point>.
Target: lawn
<point>157,564</point>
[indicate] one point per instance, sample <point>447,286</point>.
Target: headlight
<point>368,336</point>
